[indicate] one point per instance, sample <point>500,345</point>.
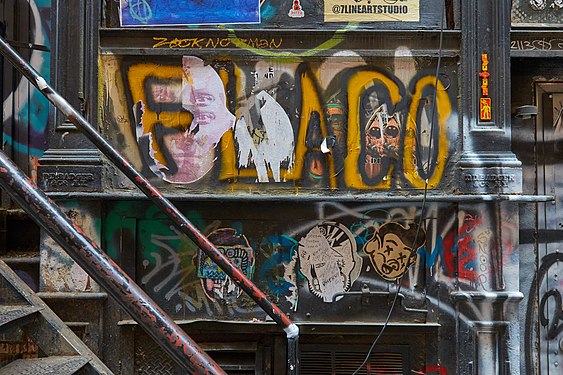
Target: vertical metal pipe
<point>293,356</point>
<point>102,269</point>
<point>173,213</point>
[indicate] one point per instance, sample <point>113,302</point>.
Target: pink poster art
<point>185,154</point>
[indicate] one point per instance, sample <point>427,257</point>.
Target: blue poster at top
<point>188,12</point>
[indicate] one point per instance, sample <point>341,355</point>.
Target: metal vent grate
<point>235,358</point>
<point>344,360</point>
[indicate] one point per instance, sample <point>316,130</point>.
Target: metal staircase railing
<point>102,269</point>
<point>21,310</point>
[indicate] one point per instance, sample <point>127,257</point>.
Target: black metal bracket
<point>365,293</point>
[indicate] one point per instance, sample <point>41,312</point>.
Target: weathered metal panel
<point>58,271</point>
<point>303,258</point>
<point>548,284</point>
<point>310,252</point>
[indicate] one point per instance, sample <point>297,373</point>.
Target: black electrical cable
<point>423,205</point>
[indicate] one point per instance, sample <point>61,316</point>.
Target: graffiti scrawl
<point>343,124</point>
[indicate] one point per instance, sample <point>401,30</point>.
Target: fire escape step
<point>45,366</point>
<point>65,352</point>
<point>16,315</point>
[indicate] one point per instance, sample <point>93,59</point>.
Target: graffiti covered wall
<point>341,123</point>
<point>313,261</point>
<point>323,263</point>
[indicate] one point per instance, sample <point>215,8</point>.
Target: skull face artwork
<point>393,249</point>
<point>329,260</point>
<point>382,141</point>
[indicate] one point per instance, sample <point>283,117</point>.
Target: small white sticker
<point>324,147</point>
<point>41,83</point>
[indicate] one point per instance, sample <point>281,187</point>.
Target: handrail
<point>173,213</point>
<point>104,270</point>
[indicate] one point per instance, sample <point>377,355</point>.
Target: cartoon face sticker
<point>329,260</point>
<point>393,249</point>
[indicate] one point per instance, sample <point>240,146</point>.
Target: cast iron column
<point>488,341</point>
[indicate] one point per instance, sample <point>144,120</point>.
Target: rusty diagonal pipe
<point>173,213</point>
<point>105,271</point>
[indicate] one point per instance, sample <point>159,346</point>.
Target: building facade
<point>372,166</point>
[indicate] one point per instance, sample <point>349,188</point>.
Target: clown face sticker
<point>393,249</point>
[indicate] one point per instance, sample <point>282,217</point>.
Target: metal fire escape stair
<point>23,312</point>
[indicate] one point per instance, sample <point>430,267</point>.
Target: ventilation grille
<point>234,358</point>
<point>235,362</point>
<point>341,360</point>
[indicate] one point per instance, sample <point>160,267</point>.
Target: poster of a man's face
<point>178,152</point>
<point>393,249</point>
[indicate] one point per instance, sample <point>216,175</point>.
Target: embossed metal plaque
<point>70,178</point>
<point>491,180</point>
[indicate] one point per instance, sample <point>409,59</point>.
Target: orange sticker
<point>485,74</point>
<point>485,109</point>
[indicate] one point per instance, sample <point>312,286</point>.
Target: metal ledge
<point>71,295</point>
<point>269,327</point>
<point>372,198</point>
<point>288,42</point>
<point>18,261</point>
<point>536,43</point>
<point>499,296</point>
